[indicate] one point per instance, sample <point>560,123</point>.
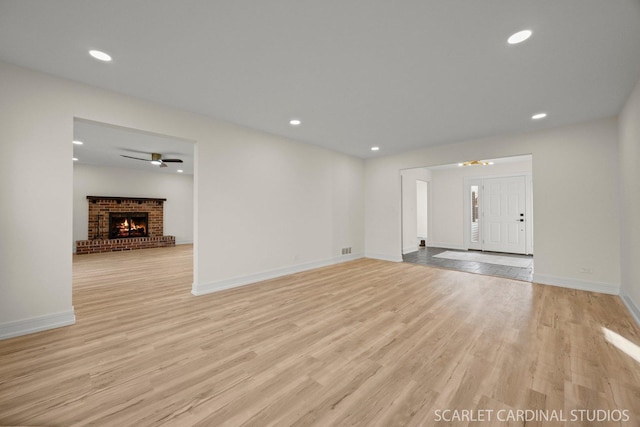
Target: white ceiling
<point>104,145</point>
<point>400,75</point>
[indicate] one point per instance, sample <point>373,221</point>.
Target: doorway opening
<point>133,200</point>
<point>479,216</point>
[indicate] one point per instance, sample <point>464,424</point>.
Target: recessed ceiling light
<point>519,37</point>
<point>375,148</point>
<point>75,159</point>
<point>102,56</point>
<point>78,142</point>
<point>180,171</point>
<point>490,163</point>
<point>539,116</point>
<point>295,122</point>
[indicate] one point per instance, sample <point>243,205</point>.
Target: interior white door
<point>504,203</point>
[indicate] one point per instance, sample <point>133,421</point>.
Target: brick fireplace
<point>124,223</point>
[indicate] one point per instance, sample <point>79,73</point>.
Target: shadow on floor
<point>425,256</point>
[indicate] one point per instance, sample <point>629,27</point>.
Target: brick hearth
<point>111,245</point>
<point>98,227</point>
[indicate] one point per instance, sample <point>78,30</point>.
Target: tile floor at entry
<point>425,256</point>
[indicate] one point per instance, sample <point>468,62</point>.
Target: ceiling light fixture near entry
<point>475,163</point>
<point>519,37</point>
<point>375,148</point>
<point>539,116</point>
<point>295,122</point>
<point>100,55</point>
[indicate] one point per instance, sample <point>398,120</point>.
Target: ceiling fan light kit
<point>156,159</point>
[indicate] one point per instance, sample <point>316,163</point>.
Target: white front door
<point>504,215</point>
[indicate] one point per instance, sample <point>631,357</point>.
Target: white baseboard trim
<point>207,288</point>
<point>383,257</point>
<point>409,249</point>
<point>184,242</point>
<point>447,246</point>
<point>583,285</point>
<point>37,324</point>
<point>631,306</point>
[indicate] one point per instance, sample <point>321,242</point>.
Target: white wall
<point>447,199</point>
<point>575,186</point>
<point>90,180</point>
<point>282,205</point>
<point>630,201</point>
<point>410,208</point>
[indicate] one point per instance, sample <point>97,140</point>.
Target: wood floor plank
<point>366,342</point>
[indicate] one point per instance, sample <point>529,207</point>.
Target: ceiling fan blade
<point>131,150</point>
<point>172,160</point>
<point>136,158</point>
<point>162,165</point>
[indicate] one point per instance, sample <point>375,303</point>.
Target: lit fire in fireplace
<point>127,229</point>
<point>128,225</point>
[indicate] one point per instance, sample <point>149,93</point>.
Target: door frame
<point>466,225</point>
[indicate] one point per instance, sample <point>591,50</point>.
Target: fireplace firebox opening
<point>128,224</point>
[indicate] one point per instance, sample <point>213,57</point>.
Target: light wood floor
<point>362,343</point>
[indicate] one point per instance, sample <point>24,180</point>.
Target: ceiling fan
<point>156,159</point>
